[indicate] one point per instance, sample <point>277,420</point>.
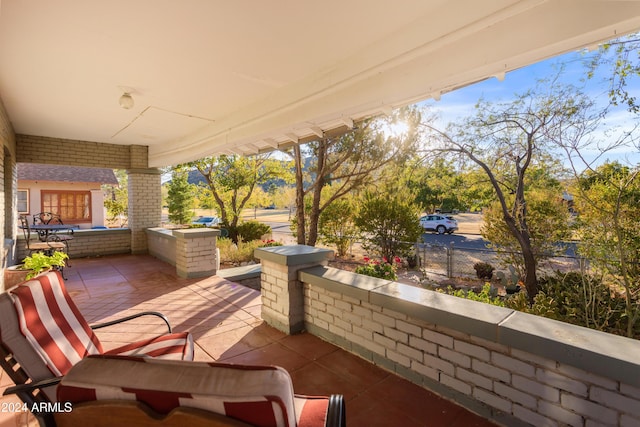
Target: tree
<point>233,179</point>
<point>347,163</point>
<point>608,200</point>
<point>389,220</point>
<point>505,140</point>
<point>337,224</point>
<point>547,219</point>
<point>437,185</point>
<point>180,197</point>
<point>118,205</point>
<point>622,57</point>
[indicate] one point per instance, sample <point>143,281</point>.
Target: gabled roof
<point>37,172</point>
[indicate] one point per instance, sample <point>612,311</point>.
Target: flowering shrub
<point>380,269</point>
<point>269,243</point>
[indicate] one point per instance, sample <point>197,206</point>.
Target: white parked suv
<point>439,223</point>
<point>207,221</point>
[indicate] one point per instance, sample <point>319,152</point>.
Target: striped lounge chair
<point>43,335</point>
<point>104,391</point>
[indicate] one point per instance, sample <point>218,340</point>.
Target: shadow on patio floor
<point>224,318</point>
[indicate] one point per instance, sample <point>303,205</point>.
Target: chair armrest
<point>336,414</point>
<point>30,387</point>
<point>134,316</point>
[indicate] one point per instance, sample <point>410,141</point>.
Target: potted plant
<point>511,282</point>
<point>34,264</point>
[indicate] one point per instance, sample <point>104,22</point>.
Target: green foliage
<point>509,279</point>
<point>248,231</point>
<point>547,221</point>
<point>483,270</point>
<point>117,200</point>
<point>622,59</point>
<point>343,164</point>
<point>380,269</point>
<point>232,180</point>
<point>180,198</point>
<point>608,200</point>
<point>486,295</point>
<point>578,299</point>
<point>236,252</point>
<point>270,243</point>
<point>389,222</point>
<point>437,186</point>
<point>337,225</point>
<point>38,262</point>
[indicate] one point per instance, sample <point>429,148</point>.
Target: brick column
<point>282,292</point>
<point>145,197</point>
<point>145,205</point>
<point>196,252</point>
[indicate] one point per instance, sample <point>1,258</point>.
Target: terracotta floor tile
<point>308,345</point>
<point>233,343</point>
<point>353,368</point>
<point>315,379</point>
<point>272,354</point>
<point>225,321</point>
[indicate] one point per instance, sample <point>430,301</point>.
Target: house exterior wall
<point>55,151</point>
<point>97,197</point>
<point>7,191</point>
<point>87,243</point>
<point>145,195</point>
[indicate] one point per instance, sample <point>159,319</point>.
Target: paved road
<point>462,241</point>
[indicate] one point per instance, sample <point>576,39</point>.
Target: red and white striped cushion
<point>311,411</point>
<point>177,346</point>
<point>52,323</point>
<point>258,395</point>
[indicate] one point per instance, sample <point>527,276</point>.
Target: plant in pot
<point>510,281</point>
<point>34,264</point>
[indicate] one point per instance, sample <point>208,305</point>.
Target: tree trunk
<point>530,275</point>
<point>300,229</point>
<point>314,215</point>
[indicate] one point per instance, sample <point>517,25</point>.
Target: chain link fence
<point>457,261</point>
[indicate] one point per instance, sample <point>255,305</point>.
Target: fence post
<point>450,260</point>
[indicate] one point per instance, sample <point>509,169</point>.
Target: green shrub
<point>486,295</point>
<point>249,231</point>
<point>483,270</point>
<point>269,243</point>
<point>236,252</point>
<point>380,269</point>
<point>579,299</point>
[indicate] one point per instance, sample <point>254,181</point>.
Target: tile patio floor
<point>224,318</point>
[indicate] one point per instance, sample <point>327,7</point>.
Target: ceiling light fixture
<point>126,101</point>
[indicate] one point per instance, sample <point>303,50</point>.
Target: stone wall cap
<point>293,254</point>
<point>195,233</point>
<point>609,355</point>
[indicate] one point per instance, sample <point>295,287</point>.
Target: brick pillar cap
<point>193,233</point>
<point>293,254</point>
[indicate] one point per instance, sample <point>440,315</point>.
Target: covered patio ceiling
<point>212,76</point>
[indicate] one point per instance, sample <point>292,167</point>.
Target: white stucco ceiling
<point>214,76</point>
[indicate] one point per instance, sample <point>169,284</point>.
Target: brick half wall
<point>512,367</point>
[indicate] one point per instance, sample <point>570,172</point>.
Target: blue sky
<point>460,103</point>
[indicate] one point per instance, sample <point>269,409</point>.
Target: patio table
<point>44,230</point>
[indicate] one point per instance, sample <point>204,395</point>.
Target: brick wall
<point>7,191</point>
<point>92,243</point>
<point>540,372</point>
<point>145,196</point>
<point>192,251</point>
<point>145,206</point>
<point>39,149</point>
